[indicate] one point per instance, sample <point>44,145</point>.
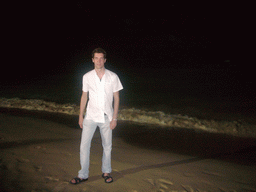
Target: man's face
<point>99,60</point>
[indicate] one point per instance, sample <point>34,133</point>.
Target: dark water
<point>195,92</point>
<point>202,93</point>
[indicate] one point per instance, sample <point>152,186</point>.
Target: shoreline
<point>44,149</point>
<point>237,127</point>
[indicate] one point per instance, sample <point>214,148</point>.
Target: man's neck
<point>100,72</point>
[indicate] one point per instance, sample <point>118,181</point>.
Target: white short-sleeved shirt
<point>100,94</point>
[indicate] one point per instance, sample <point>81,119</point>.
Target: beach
<point>186,113</point>
<point>40,152</point>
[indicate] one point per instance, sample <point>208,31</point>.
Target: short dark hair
<point>99,50</point>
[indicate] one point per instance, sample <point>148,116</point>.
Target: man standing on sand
<point>102,86</point>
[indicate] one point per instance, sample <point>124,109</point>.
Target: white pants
<point>89,128</point>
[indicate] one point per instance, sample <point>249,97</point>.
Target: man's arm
<point>113,123</point>
<point>83,102</point>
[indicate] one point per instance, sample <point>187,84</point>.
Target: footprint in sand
<point>188,174</point>
<point>51,178</point>
<point>38,168</point>
<point>187,188</point>
<point>160,184</point>
<point>61,187</point>
<point>22,160</point>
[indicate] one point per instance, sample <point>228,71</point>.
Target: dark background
<point>164,53</point>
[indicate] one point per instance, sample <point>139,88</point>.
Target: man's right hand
<point>80,122</point>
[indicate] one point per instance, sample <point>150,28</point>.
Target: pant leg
<point>89,128</point>
<point>106,137</point>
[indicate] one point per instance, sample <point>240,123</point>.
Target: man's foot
<point>77,180</point>
<point>107,177</point>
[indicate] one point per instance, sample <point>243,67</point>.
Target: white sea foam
<point>156,118</point>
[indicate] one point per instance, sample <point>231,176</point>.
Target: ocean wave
<point>158,118</point>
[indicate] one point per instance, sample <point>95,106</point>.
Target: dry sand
<point>40,152</point>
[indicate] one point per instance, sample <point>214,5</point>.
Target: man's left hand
<point>113,124</point>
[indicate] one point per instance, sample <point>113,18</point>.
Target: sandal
<point>77,180</point>
<point>107,177</point>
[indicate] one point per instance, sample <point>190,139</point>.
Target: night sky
<point>53,38</point>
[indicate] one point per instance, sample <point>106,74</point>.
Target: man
<point>103,86</point>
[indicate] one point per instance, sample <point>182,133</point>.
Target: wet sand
<point>40,152</point>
